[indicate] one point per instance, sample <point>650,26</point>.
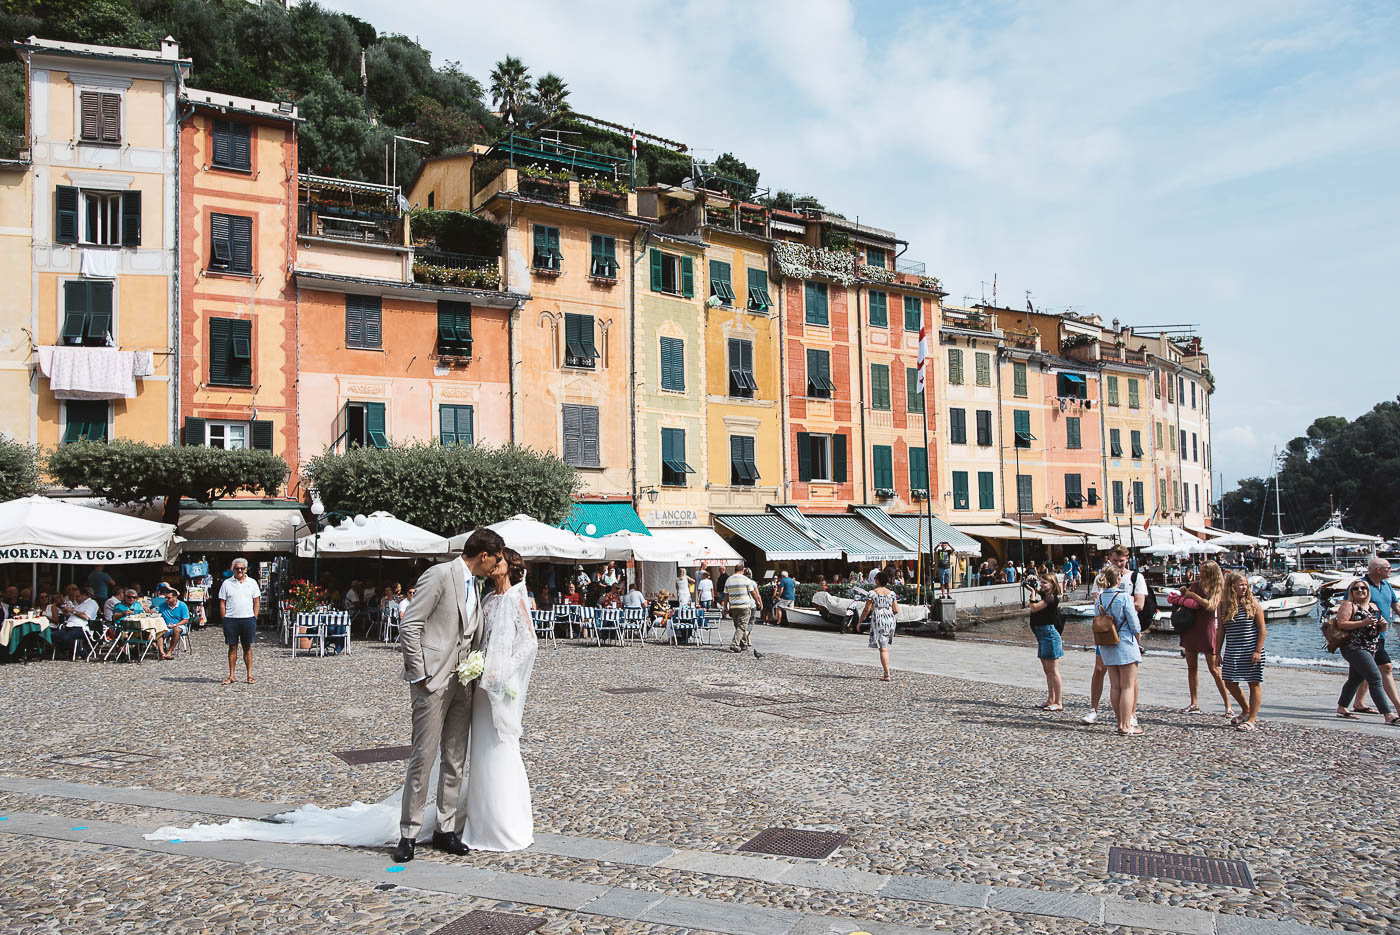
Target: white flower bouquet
<point>471,667</point>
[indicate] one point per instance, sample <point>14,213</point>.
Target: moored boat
<point>1282,608</point>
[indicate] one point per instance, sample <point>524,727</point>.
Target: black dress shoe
<point>449,843</point>
<point>404,852</point>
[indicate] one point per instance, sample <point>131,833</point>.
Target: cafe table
<point>14,630</point>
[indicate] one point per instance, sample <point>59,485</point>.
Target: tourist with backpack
<point>1045,624</point>
<point>1144,603</point>
<point>1116,632</point>
<point>1195,623</point>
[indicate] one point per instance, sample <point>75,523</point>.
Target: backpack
<point>1148,615</point>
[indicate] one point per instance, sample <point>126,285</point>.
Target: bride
<point>497,792</point>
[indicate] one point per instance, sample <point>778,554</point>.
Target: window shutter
<point>1113,391</point>
<point>223,143</point>
<point>1019,379</point>
<point>918,469</point>
<point>759,299</point>
<point>111,118</point>
<point>804,456</point>
<point>955,372</point>
<point>879,386</point>
<point>261,433</point>
<point>1072,439</point>
<point>447,425</point>
<point>90,121</point>
<point>657,270</point>
<point>242,154</point>
<point>879,310</point>
<point>374,425</point>
<point>241,246</point>
<point>65,225</point>
<point>957,426</point>
<point>354,323</point>
<point>241,352</point>
<point>220,349</point>
<point>672,364</point>
<point>373,334</point>
<point>1023,427</point>
<point>131,219</point>
<point>960,493</point>
<point>986,491</point>
<point>75,305</point>
<point>687,277</point>
<point>913,313</point>
<point>194,431</point>
<point>984,427</point>
<point>914,399</point>
<point>573,434</point>
<point>882,457</point>
<point>590,435</point>
<point>838,457</point>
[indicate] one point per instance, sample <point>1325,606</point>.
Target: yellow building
<point>102,314</point>
<point>964,426</point>
<point>16,309</point>
<point>1126,380</point>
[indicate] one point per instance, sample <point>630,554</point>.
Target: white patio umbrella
<point>382,534</point>
<point>1238,540</point>
<point>42,529</point>
<point>1184,548</point>
<point>536,540</point>
<point>625,545</point>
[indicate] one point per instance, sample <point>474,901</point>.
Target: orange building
<point>238,350</point>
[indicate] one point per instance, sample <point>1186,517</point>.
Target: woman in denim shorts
<point>1045,617</point>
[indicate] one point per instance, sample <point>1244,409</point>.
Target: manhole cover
<point>105,759</point>
<point>640,690</point>
<point>483,922</point>
<point>375,755</point>
<point>793,842</point>
<point>797,712</point>
<point>1189,867</point>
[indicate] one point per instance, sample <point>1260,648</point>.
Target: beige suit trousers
<point>442,721</point>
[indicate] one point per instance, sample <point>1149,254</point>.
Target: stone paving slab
<point>946,892</point>
<point>731,918</point>
<point>621,903</point>
<point>735,865</point>
<point>1158,918</point>
<point>838,879</point>
<point>1043,903</point>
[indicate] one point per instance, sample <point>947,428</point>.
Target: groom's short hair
<point>483,540</point>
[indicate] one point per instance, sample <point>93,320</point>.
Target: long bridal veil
<point>511,646</point>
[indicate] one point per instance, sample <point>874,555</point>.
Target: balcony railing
<point>1122,354</point>
<point>1026,340</point>
<point>974,321</point>
<point>443,268</point>
<point>344,209</point>
<point>912,267</point>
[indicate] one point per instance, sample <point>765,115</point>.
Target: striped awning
<point>860,542</point>
<point>912,529</point>
<point>778,539</point>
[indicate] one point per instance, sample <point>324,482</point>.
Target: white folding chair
<point>389,623</point>
<point>336,627</point>
<point>543,621</point>
<point>307,625</point>
<point>707,623</point>
<point>634,624</point>
<point>564,613</point>
<point>609,625</point>
<point>588,623</point>
<point>683,618</point>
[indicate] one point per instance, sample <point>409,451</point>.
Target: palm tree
<point>510,87</point>
<point>551,94</point>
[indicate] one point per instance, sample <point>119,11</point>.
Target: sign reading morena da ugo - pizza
<point>53,554</point>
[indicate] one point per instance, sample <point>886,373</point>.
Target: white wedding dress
<point>497,806</point>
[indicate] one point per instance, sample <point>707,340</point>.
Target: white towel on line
<point>100,264</point>
<point>143,363</point>
<point>89,372</point>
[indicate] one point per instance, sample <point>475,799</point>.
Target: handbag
<point>1183,619</point>
<point>1105,627</point>
<point>1333,634</point>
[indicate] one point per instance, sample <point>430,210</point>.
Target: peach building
<point>98,307</point>
<point>238,339</point>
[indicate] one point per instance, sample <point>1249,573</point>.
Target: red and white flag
<point>923,356</point>
<point>634,142</point>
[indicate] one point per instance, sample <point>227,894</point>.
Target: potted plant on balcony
<point>539,182</point>
<point>603,193</point>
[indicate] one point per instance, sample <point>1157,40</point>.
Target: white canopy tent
<point>1195,547</point>
<point>381,534</point>
<point>624,545</point>
<point>702,544</point>
<point>1238,540</point>
<point>42,529</point>
<point>537,541</point>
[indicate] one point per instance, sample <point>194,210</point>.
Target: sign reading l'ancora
<point>673,518</point>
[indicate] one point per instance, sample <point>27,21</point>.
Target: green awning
<point>605,517</point>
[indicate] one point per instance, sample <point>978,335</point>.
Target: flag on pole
<point>634,142</point>
<point>1147,524</point>
<point>923,355</point>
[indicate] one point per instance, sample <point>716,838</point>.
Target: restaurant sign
<point>49,554</point>
<point>673,518</point>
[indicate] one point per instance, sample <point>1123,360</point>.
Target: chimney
<point>169,48</point>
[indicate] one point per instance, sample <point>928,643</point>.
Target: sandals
<point>1347,715</point>
<point>1246,727</point>
<point>1235,720</point>
<point>1364,710</point>
<point>1052,707</point>
<point>1190,709</point>
<point>1132,732</point>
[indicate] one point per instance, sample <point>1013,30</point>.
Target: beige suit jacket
<point>436,631</point>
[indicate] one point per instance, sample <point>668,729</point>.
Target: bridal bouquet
<point>471,667</point>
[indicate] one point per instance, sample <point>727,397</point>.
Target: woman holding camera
<point>1045,618</point>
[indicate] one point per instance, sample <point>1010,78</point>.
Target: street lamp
<point>320,516</point>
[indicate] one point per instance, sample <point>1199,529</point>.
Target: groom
<point>442,625</point>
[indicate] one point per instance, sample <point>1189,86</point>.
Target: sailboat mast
<point>1277,514</point>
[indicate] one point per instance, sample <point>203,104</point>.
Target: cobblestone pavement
<point>931,777</point>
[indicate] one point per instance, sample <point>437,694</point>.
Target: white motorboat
<point>1083,609</point>
<point>804,617</point>
<point>1282,608</point>
<point>836,608</point>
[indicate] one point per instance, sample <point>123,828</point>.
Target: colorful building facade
<point>968,378</point>
<point>238,325</point>
<point>101,128</point>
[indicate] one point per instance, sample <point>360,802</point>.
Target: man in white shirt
<point>742,601</point>
<point>81,610</point>
<point>634,599</point>
<point>1118,558</point>
<point>705,590</point>
<point>240,600</point>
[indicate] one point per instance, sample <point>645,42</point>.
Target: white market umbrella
<point>41,529</point>
<point>1184,548</point>
<point>1331,536</point>
<point>536,540</point>
<point>381,535</point>
<point>1238,540</point>
<point>625,545</point>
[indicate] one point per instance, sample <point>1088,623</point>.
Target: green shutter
<point>241,245</point>
<point>838,457</point>
<point>986,493</point>
<point>882,457</point>
<point>1113,391</point>
<point>960,495</point>
<point>759,299</point>
<point>261,434</point>
<point>374,425</point>
<point>687,277</point>
<point>672,364</point>
<point>223,143</point>
<point>984,427</point>
<point>75,306</point>
<point>131,219</point>
<point>913,313</point>
<point>194,431</point>
<point>914,400</point>
<point>657,271</point>
<point>1022,422</point>
<point>879,310</point>
<point>957,426</point>
<point>984,368</point>
<point>220,350</point>
<point>1018,371</point>
<point>720,284</point>
<point>87,421</point>
<point>99,323</point>
<point>1115,443</point>
<point>816,304</point>
<point>65,226</point>
<point>804,456</point>
<point>918,469</point>
<point>1132,394</point>
<point>955,368</point>
<point>1072,437</point>
<point>879,386</point>
<point>240,372</point>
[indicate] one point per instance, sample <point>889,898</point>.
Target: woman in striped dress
<point>1241,634</point>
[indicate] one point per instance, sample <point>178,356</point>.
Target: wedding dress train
<point>497,806</point>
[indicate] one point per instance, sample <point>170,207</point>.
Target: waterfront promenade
<point>967,810</point>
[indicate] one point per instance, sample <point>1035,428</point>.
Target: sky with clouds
<point>1231,166</point>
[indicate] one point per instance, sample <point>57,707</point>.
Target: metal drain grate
<point>375,755</point>
<point>1215,871</point>
<point>105,759</point>
<point>794,842</point>
<point>640,690</point>
<point>484,922</point>
<point>799,712</point>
